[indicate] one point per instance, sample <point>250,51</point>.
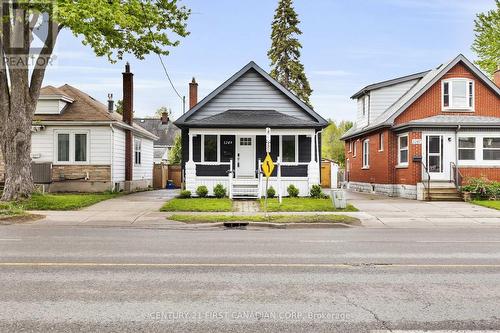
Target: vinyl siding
<point>361,120</point>
<point>118,155</point>
<point>145,169</point>
<point>49,106</point>
<point>43,144</point>
<point>381,99</point>
<point>251,92</point>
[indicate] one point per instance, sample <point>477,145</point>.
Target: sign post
<point>267,165</point>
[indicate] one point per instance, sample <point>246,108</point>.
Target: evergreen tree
<point>284,54</point>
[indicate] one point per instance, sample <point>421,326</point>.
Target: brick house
<point>412,132</point>
<point>82,145</point>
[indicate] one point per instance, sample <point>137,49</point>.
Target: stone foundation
<point>93,173</point>
<point>391,190</point>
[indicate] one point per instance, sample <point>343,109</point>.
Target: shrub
<point>185,194</point>
<point>316,192</point>
<point>219,191</point>
<point>202,191</point>
<point>482,188</point>
<point>293,192</point>
<point>271,193</point>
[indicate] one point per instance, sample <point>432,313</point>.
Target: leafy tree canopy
<point>331,145</point>
<point>487,39</point>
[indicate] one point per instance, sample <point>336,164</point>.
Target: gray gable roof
<point>386,119</point>
<point>183,121</point>
<point>166,133</point>
<point>252,119</point>
<point>453,120</point>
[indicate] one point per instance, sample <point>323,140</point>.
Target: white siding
<point>251,92</point>
<point>145,169</point>
<point>118,155</point>
<point>49,106</point>
<point>381,99</point>
<point>43,144</point>
<point>361,120</point>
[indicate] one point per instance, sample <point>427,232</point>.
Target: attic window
<point>458,94</point>
<point>366,104</point>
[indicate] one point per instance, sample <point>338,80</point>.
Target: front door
<point>436,157</point>
<point>245,157</point>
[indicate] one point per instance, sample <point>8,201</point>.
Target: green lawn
<point>200,218</point>
<point>303,205</point>
<point>198,205</point>
<point>8,210</point>
<point>64,201</point>
<point>495,204</point>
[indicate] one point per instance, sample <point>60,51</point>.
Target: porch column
<point>190,167</point>
<point>190,147</point>
<point>313,175</point>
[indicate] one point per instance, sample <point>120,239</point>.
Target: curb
<point>283,225</point>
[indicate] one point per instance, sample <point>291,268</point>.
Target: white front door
<point>245,156</point>
<point>438,153</point>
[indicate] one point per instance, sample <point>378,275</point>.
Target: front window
<point>80,147</point>
<point>366,153</point>
<point>381,142</point>
<point>137,151</point>
<point>467,149</point>
<point>63,147</point>
<point>458,94</point>
<point>403,150</point>
<point>491,149</point>
<point>288,148</point>
<point>210,148</point>
<point>354,149</point>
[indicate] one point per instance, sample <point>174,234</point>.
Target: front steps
<point>245,189</point>
<point>443,191</point>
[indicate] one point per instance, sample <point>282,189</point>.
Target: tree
<point>487,39</point>
<point>161,110</point>
<point>119,106</point>
<point>175,154</point>
<point>111,28</point>
<point>284,53</point>
<point>331,145</point>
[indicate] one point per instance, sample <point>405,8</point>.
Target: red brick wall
<point>487,103</point>
<point>410,175</point>
<point>489,173</point>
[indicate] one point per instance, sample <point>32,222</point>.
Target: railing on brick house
<point>427,187</point>
<point>455,175</point>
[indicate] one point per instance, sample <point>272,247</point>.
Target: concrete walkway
<point>138,209</point>
<point>382,211</point>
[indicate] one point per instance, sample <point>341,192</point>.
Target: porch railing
<point>427,188</point>
<point>455,175</point>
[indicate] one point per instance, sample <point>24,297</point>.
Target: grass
<point>303,205</point>
<point>64,201</point>
<point>9,210</point>
<point>198,205</point>
<point>495,204</point>
<point>325,218</point>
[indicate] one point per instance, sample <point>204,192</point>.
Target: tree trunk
<point>16,147</point>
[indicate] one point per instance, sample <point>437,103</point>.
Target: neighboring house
<point>230,125</point>
<point>166,132</point>
<point>80,145</point>
<point>411,132</point>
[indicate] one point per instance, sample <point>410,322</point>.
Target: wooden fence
<point>162,173</point>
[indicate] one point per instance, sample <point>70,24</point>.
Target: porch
<point>232,157</point>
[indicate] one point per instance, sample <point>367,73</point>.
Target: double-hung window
<point>403,150</point>
<point>491,149</point>
<point>137,151</point>
<point>381,142</point>
<point>366,154</point>
<point>210,148</point>
<point>458,94</point>
<point>354,150</point>
<point>467,148</point>
<point>72,147</point>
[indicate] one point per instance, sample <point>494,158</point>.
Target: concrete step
<point>443,190</point>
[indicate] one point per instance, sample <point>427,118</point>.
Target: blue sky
<point>346,45</point>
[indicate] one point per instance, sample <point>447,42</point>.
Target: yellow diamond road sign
<point>268,166</point>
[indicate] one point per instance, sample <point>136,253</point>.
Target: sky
<point>347,44</point>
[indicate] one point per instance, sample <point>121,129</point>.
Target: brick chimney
<point>164,118</point>
<point>128,105</point>
<point>111,103</point>
<point>496,76</point>
<point>193,93</point>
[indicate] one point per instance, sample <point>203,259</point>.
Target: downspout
<point>456,154</point>
<point>112,154</point>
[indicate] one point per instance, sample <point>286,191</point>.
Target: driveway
<point>137,209</point>
<point>383,211</point>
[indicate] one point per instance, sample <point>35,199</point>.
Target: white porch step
<point>245,189</point>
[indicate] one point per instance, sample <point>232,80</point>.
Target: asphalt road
<point>345,280</point>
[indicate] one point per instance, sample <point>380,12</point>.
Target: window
<point>288,146</point>
<point>80,147</point>
<point>366,154</point>
<point>366,104</point>
<point>354,149</point>
<point>467,149</point>
<point>245,141</point>
<point>491,149</point>
<point>458,94</point>
<point>381,142</point>
<point>403,150</point>
<point>137,151</point>
<point>63,147</point>
<point>210,148</point>
<point>350,146</point>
